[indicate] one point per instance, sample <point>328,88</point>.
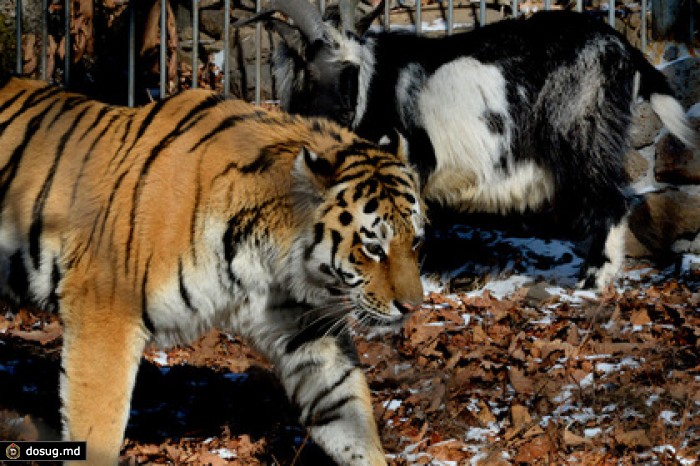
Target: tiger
<point>158,223</point>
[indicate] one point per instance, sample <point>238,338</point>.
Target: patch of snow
<point>432,284</point>
<point>612,407</point>
<point>392,405</point>
<point>608,368</point>
<point>592,432</point>
<point>688,262</point>
<point>597,356</point>
<point>667,416</point>
<point>502,288</point>
<point>630,413</point>
<point>587,381</point>
<point>160,358</point>
<point>479,434</point>
<point>478,458</point>
<point>225,453</point>
<point>638,274</point>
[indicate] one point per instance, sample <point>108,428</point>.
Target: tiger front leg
<point>102,349</point>
<point>322,377</point>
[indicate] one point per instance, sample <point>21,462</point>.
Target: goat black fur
<point>519,115</point>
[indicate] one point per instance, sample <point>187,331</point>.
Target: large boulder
<point>676,163</point>
<point>636,166</point>
<point>645,126</point>
<point>682,75</point>
<point>664,223</point>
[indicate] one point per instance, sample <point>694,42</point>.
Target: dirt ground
<point>543,376</point>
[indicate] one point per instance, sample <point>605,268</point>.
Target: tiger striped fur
<point>194,212</point>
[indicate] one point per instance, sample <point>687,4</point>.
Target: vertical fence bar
<point>611,13</point>
<point>163,47</point>
<point>131,85</point>
<point>258,56</point>
<point>579,5</point>
<point>514,6</point>
<point>322,6</point>
<point>450,16</point>
<point>67,59</point>
<point>644,26</point>
<point>195,44</point>
<point>44,36</point>
<point>547,5</point>
<point>482,12</point>
<point>691,13</point>
<point>387,12</point>
<point>419,19</point>
<point>227,45</point>
<point>18,37</point>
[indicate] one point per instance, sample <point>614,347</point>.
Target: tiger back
<point>195,212</point>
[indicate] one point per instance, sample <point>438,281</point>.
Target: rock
<point>676,163</point>
<point>662,219</point>
<point>636,165</point>
<point>537,294</point>
<point>645,126</point>
<point>212,22</point>
<point>683,78</point>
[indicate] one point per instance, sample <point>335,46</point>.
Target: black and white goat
<point>515,116</point>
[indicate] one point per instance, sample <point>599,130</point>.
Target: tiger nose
<point>405,307</point>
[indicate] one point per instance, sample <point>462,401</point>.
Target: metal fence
<point>386,23</point>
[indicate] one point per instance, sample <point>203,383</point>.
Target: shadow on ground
<point>168,403</point>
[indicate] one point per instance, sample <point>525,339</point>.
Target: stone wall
<point>665,221</point>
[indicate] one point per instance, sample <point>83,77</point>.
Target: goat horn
<point>305,16</point>
<point>347,15</point>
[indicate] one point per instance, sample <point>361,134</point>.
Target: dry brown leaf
<point>478,334</point>
<point>574,440</point>
<point>521,383</point>
<point>449,450</point>
<point>485,415</point>
<point>640,317</point>
<point>633,438</point>
<point>211,459</point>
<point>536,449</point>
<point>44,336</point>
<point>519,416</point>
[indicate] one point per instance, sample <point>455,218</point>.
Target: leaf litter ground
<point>512,367</point>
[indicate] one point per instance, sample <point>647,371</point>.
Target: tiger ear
<point>395,144</point>
<point>312,175</point>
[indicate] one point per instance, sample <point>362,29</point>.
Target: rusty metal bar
<point>387,13</point>
<point>450,17</point>
<point>44,37</point>
<point>258,56</point>
<point>131,84</point>
<point>227,45</point>
<point>18,37</point>
<point>611,13</point>
<point>195,44</point>
<point>644,26</point>
<point>163,48</point>
<point>419,19</point>
<point>67,60</point>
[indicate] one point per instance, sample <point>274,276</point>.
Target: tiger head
<point>365,227</point>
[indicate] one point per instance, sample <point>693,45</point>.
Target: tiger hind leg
<point>101,354</point>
